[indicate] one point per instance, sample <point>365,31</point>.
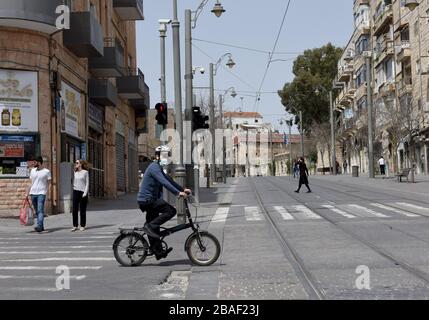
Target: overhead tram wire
<point>233,74</point>
<point>246,48</point>
<point>270,56</point>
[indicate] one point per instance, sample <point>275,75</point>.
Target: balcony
<point>387,89</point>
<point>383,20</point>
<point>405,87</point>
<point>403,52</point>
<point>29,14</point>
<point>384,50</point>
<point>129,9</point>
<point>363,28</point>
<point>132,85</point>
<point>345,72</point>
<point>111,65</point>
<point>141,105</point>
<point>85,36</point>
<point>360,92</point>
<point>102,92</point>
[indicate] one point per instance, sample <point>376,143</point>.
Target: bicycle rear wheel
<point>131,249</point>
<point>202,248</point>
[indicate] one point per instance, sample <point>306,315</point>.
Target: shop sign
<point>16,139</point>
<point>11,150</point>
<point>18,101</point>
<point>95,117</point>
<point>71,111</point>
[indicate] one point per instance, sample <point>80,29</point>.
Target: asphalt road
<point>349,239</point>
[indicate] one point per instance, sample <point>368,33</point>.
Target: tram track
<point>309,281</point>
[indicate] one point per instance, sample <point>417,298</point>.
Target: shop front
<point>120,157</point>
<point>19,134</point>
<point>95,150</point>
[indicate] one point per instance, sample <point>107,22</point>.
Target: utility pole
<point>163,35</point>
<point>223,139</point>
<point>180,172</point>
<point>290,146</point>
<point>212,125</point>
<point>302,134</point>
<point>370,129</point>
<point>333,149</point>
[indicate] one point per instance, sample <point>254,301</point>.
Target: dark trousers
<point>157,213</point>
<point>79,202</point>
<point>383,169</point>
<point>303,180</point>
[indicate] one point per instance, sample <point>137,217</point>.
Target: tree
<point>315,69</point>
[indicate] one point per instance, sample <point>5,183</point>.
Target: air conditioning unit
<point>366,54</point>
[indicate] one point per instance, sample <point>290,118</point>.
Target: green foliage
<point>314,69</point>
<point>313,156</point>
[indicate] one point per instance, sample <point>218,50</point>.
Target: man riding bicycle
<point>150,199</point>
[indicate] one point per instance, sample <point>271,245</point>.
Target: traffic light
<point>198,119</point>
<point>161,114</point>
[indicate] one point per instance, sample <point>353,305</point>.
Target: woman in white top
<point>80,194</point>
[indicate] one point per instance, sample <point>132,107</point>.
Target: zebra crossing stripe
<point>220,215</point>
<point>382,206</point>
<point>54,252</point>
<point>283,212</point>
<point>58,259</point>
<point>409,205</point>
<point>253,214</point>
<point>21,268</point>
<point>5,277</point>
<point>368,211</point>
<point>339,211</point>
<point>308,214</point>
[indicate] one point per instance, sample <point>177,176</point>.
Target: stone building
<point>396,40</point>
<point>67,93</point>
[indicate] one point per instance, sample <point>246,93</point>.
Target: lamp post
<point>221,125</point>
<point>218,11</point>
<point>213,72</point>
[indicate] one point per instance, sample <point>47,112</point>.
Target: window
<point>388,69</point>
<point>362,44</point>
<point>416,28</point>
<point>360,76</point>
<point>15,151</point>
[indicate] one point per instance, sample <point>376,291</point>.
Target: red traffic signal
<point>162,113</point>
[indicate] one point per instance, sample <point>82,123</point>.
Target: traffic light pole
<point>212,126</point>
<point>163,35</point>
<point>180,172</point>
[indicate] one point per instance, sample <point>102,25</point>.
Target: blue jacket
<point>153,181</point>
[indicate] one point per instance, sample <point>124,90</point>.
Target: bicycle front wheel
<point>131,249</point>
<point>203,248</point>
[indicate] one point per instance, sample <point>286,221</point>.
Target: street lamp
<point>218,10</point>
<point>213,72</point>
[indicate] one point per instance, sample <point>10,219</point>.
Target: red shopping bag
<point>26,214</point>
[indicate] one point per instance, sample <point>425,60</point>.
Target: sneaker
<point>38,229</point>
<point>150,232</point>
<point>309,191</point>
<point>82,228</point>
<point>296,191</point>
<point>74,229</point>
<point>163,254</point>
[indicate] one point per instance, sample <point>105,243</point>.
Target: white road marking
<point>54,252</point>
<point>339,211</point>
<point>409,205</point>
<point>67,239</point>
<point>42,242</point>
<point>220,215</point>
<point>306,212</point>
<point>253,214</point>
<point>53,247</point>
<point>283,212</point>
<point>34,289</point>
<point>59,259</point>
<point>368,211</point>
<point>5,277</point>
<point>382,206</point>
<point>48,268</point>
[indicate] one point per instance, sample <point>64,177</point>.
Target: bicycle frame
<point>166,232</point>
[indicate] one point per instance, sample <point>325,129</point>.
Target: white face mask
<point>163,162</point>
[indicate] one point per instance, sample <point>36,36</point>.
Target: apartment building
<point>67,93</point>
<point>393,41</point>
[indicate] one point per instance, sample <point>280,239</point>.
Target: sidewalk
<point>109,215</point>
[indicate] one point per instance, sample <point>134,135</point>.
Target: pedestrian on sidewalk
<point>40,178</point>
<point>382,164</point>
<point>80,194</point>
<point>345,167</point>
<point>303,175</point>
<point>296,169</point>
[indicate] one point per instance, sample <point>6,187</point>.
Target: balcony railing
<point>85,36</point>
<point>403,51</point>
<point>102,92</point>
<point>111,64</point>
<point>132,85</point>
<point>382,19</point>
<point>30,14</point>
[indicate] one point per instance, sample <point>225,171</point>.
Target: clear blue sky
<point>252,24</point>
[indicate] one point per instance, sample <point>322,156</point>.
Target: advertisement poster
<point>18,101</point>
<point>71,111</point>
<point>11,150</point>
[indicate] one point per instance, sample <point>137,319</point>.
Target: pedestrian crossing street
<point>287,213</point>
<point>32,263</point>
